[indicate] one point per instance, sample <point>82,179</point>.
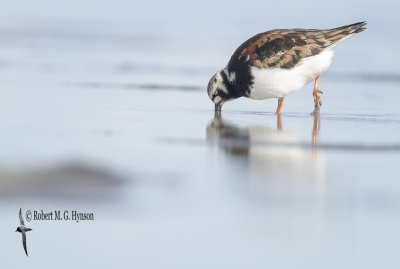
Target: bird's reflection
<point>315,134</point>
<point>275,151</point>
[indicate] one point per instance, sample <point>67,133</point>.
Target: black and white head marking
<point>229,83</point>
<point>219,89</point>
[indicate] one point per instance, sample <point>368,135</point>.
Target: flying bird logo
<point>22,229</point>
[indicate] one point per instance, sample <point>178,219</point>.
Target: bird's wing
<point>283,48</point>
<point>287,48</point>
<point>21,220</point>
<point>24,241</point>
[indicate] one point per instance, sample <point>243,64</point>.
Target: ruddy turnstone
<point>278,62</point>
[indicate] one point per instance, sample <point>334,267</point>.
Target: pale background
<point>104,109</point>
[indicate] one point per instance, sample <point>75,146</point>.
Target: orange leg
<point>280,105</point>
<point>279,122</point>
<point>317,97</point>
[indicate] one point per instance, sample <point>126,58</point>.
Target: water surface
<point>106,112</point>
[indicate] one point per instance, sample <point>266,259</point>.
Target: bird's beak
<point>217,107</point>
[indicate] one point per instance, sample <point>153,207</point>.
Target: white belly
<point>278,82</point>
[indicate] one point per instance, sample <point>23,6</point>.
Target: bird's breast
<point>279,82</point>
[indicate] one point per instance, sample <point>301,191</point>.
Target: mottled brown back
<point>286,48</point>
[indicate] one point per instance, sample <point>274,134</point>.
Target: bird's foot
<point>317,101</point>
<point>315,112</point>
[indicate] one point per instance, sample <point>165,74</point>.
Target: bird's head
<point>218,90</point>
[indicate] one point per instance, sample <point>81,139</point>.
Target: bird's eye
<point>215,80</point>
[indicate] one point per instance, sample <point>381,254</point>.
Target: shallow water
<point>106,112</point>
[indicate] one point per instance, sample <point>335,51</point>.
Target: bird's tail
<point>340,34</point>
<point>352,28</point>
